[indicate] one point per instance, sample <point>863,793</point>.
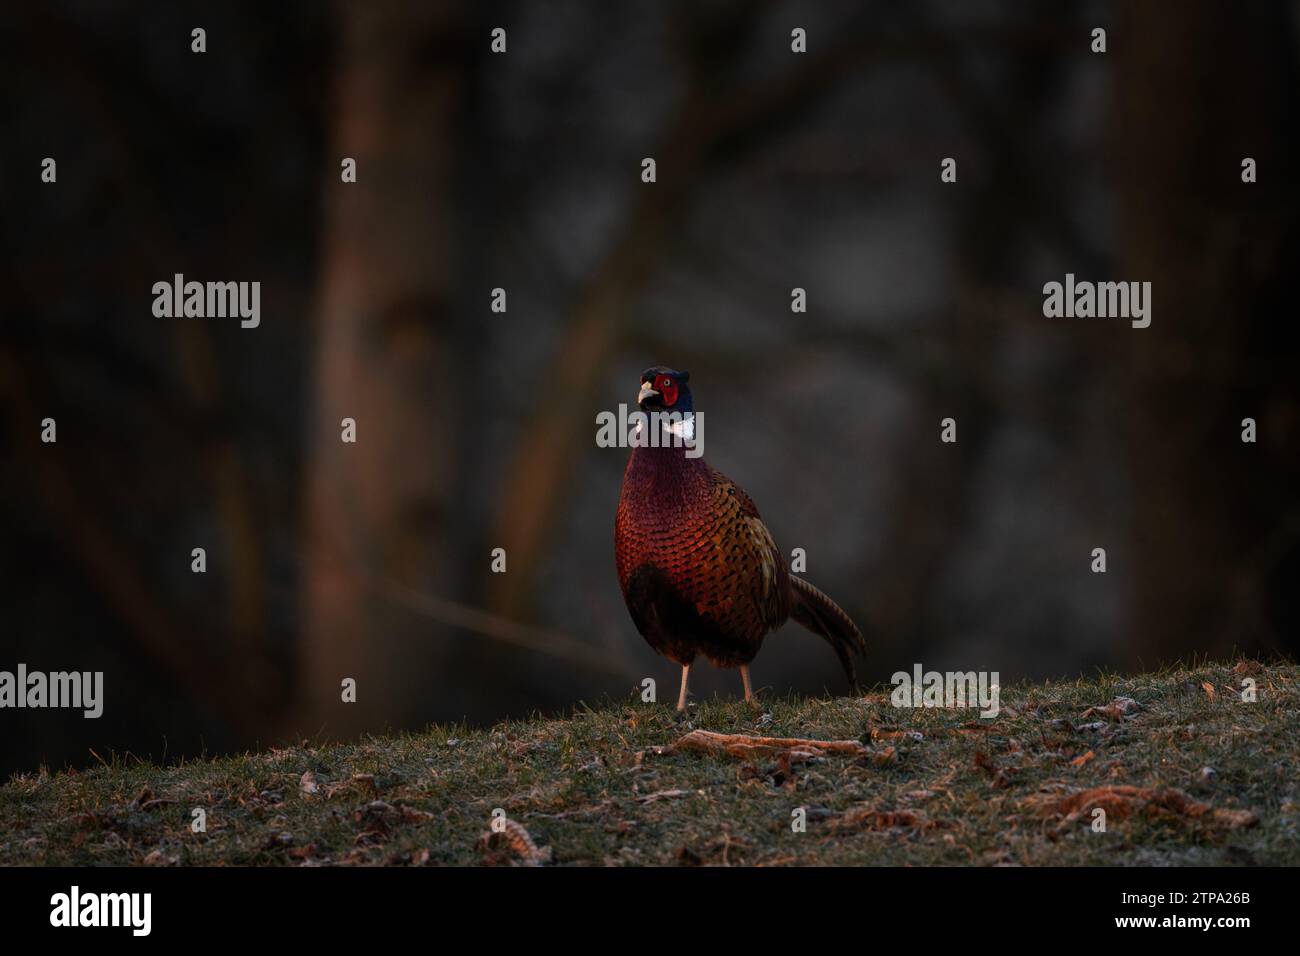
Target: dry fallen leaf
<point>1117,708</point>
<point>1209,690</point>
<point>879,734</point>
<point>1082,759</point>
<point>868,818</point>
<point>377,818</point>
<point>146,801</point>
<point>1122,801</point>
<point>513,845</point>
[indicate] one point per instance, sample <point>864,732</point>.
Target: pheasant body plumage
<point>699,571</point>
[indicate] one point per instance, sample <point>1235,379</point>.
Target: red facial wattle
<point>667,390</point>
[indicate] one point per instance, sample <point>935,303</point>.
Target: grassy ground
<point>1187,773</point>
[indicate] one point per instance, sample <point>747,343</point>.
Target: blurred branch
<point>478,621</point>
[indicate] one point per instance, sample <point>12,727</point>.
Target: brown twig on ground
<point>748,745</point>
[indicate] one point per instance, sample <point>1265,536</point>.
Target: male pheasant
<point>699,570</point>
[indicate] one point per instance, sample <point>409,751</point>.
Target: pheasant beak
<point>646,393</point>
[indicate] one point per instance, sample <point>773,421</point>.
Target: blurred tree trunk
<point>1195,92</point>
<point>377,510</point>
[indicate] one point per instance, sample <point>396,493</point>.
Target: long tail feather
<point>819,614</point>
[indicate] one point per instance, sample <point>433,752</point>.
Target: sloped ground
<point>1185,770</point>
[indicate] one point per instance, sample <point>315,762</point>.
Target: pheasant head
<point>665,390</point>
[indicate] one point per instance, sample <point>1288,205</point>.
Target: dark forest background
<point>476,429</point>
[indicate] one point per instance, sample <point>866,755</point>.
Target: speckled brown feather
<point>699,570</point>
